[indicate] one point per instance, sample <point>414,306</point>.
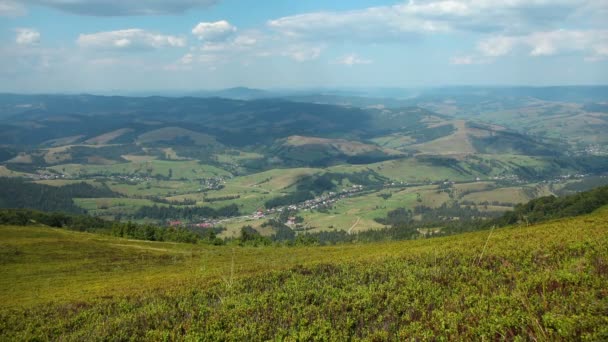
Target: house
<point>175,223</point>
<point>258,214</point>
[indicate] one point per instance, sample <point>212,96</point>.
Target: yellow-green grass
<point>21,158</point>
<point>512,195</point>
<point>567,121</point>
<point>395,141</point>
<point>318,222</point>
<point>472,187</point>
<point>63,182</point>
<point>350,148</point>
<point>113,205</point>
<point>108,137</point>
<point>155,187</point>
<point>5,172</point>
<point>61,154</point>
<point>346,212</point>
<point>236,157</point>
<point>179,169</point>
<point>536,163</point>
<point>455,143</point>
<point>413,171</point>
<point>63,141</point>
<point>543,282</point>
<point>233,227</point>
<point>137,158</point>
<point>274,179</point>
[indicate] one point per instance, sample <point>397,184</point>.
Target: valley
<point>373,170</point>
<point>331,168</point>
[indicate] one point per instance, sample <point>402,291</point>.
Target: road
<point>350,230</point>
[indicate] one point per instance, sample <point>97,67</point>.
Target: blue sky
<point>140,45</point>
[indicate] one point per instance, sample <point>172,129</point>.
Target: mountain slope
<point>540,282</point>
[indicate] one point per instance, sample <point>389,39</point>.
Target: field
<point>358,213</point>
<point>143,179</point>
<point>184,180</point>
<point>511,195</point>
<point>544,282</point>
<point>4,172</point>
<point>175,170</point>
<point>112,206</point>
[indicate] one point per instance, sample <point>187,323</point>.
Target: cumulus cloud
<point>413,18</point>
<point>213,53</point>
<point>214,31</point>
<point>123,7</point>
<point>593,44</point>
<point>9,8</point>
<point>130,39</point>
<point>27,36</point>
<point>352,59</point>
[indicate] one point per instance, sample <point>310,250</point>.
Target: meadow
<point>173,170</point>
<point>540,282</point>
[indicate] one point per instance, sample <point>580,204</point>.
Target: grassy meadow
<point>542,282</point>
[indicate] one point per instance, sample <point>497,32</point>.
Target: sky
<point>148,45</point>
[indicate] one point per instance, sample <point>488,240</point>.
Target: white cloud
<point>27,36</point>
<point>593,44</point>
<point>123,7</point>
<point>129,39</point>
<point>469,60</point>
<point>214,31</point>
<point>302,53</point>
<point>496,46</point>
<point>463,60</point>
<point>362,25</point>
<point>9,8</point>
<point>410,19</point>
<point>352,59</point>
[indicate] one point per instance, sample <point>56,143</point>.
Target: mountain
<point>237,93</point>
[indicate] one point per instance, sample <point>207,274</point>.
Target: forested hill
<point>551,207</point>
<point>18,193</point>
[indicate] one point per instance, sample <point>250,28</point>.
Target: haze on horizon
<point>129,45</point>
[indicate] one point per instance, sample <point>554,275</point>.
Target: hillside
<point>203,153</point>
<point>544,282</point>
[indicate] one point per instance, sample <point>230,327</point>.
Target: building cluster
<point>214,183</point>
<point>320,202</point>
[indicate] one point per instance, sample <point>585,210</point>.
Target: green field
<point>112,206</point>
<point>544,282</point>
<point>251,192</point>
<point>176,169</point>
<point>155,187</point>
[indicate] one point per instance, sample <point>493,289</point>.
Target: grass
<point>155,188</point>
<point>366,208</point>
<point>275,179</point>
<point>64,182</point>
<point>188,170</point>
<point>237,157</point>
<point>456,143</point>
<point>5,172</point>
<point>511,195</point>
<point>108,137</point>
<point>413,171</point>
<point>544,282</point>
<point>113,206</point>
